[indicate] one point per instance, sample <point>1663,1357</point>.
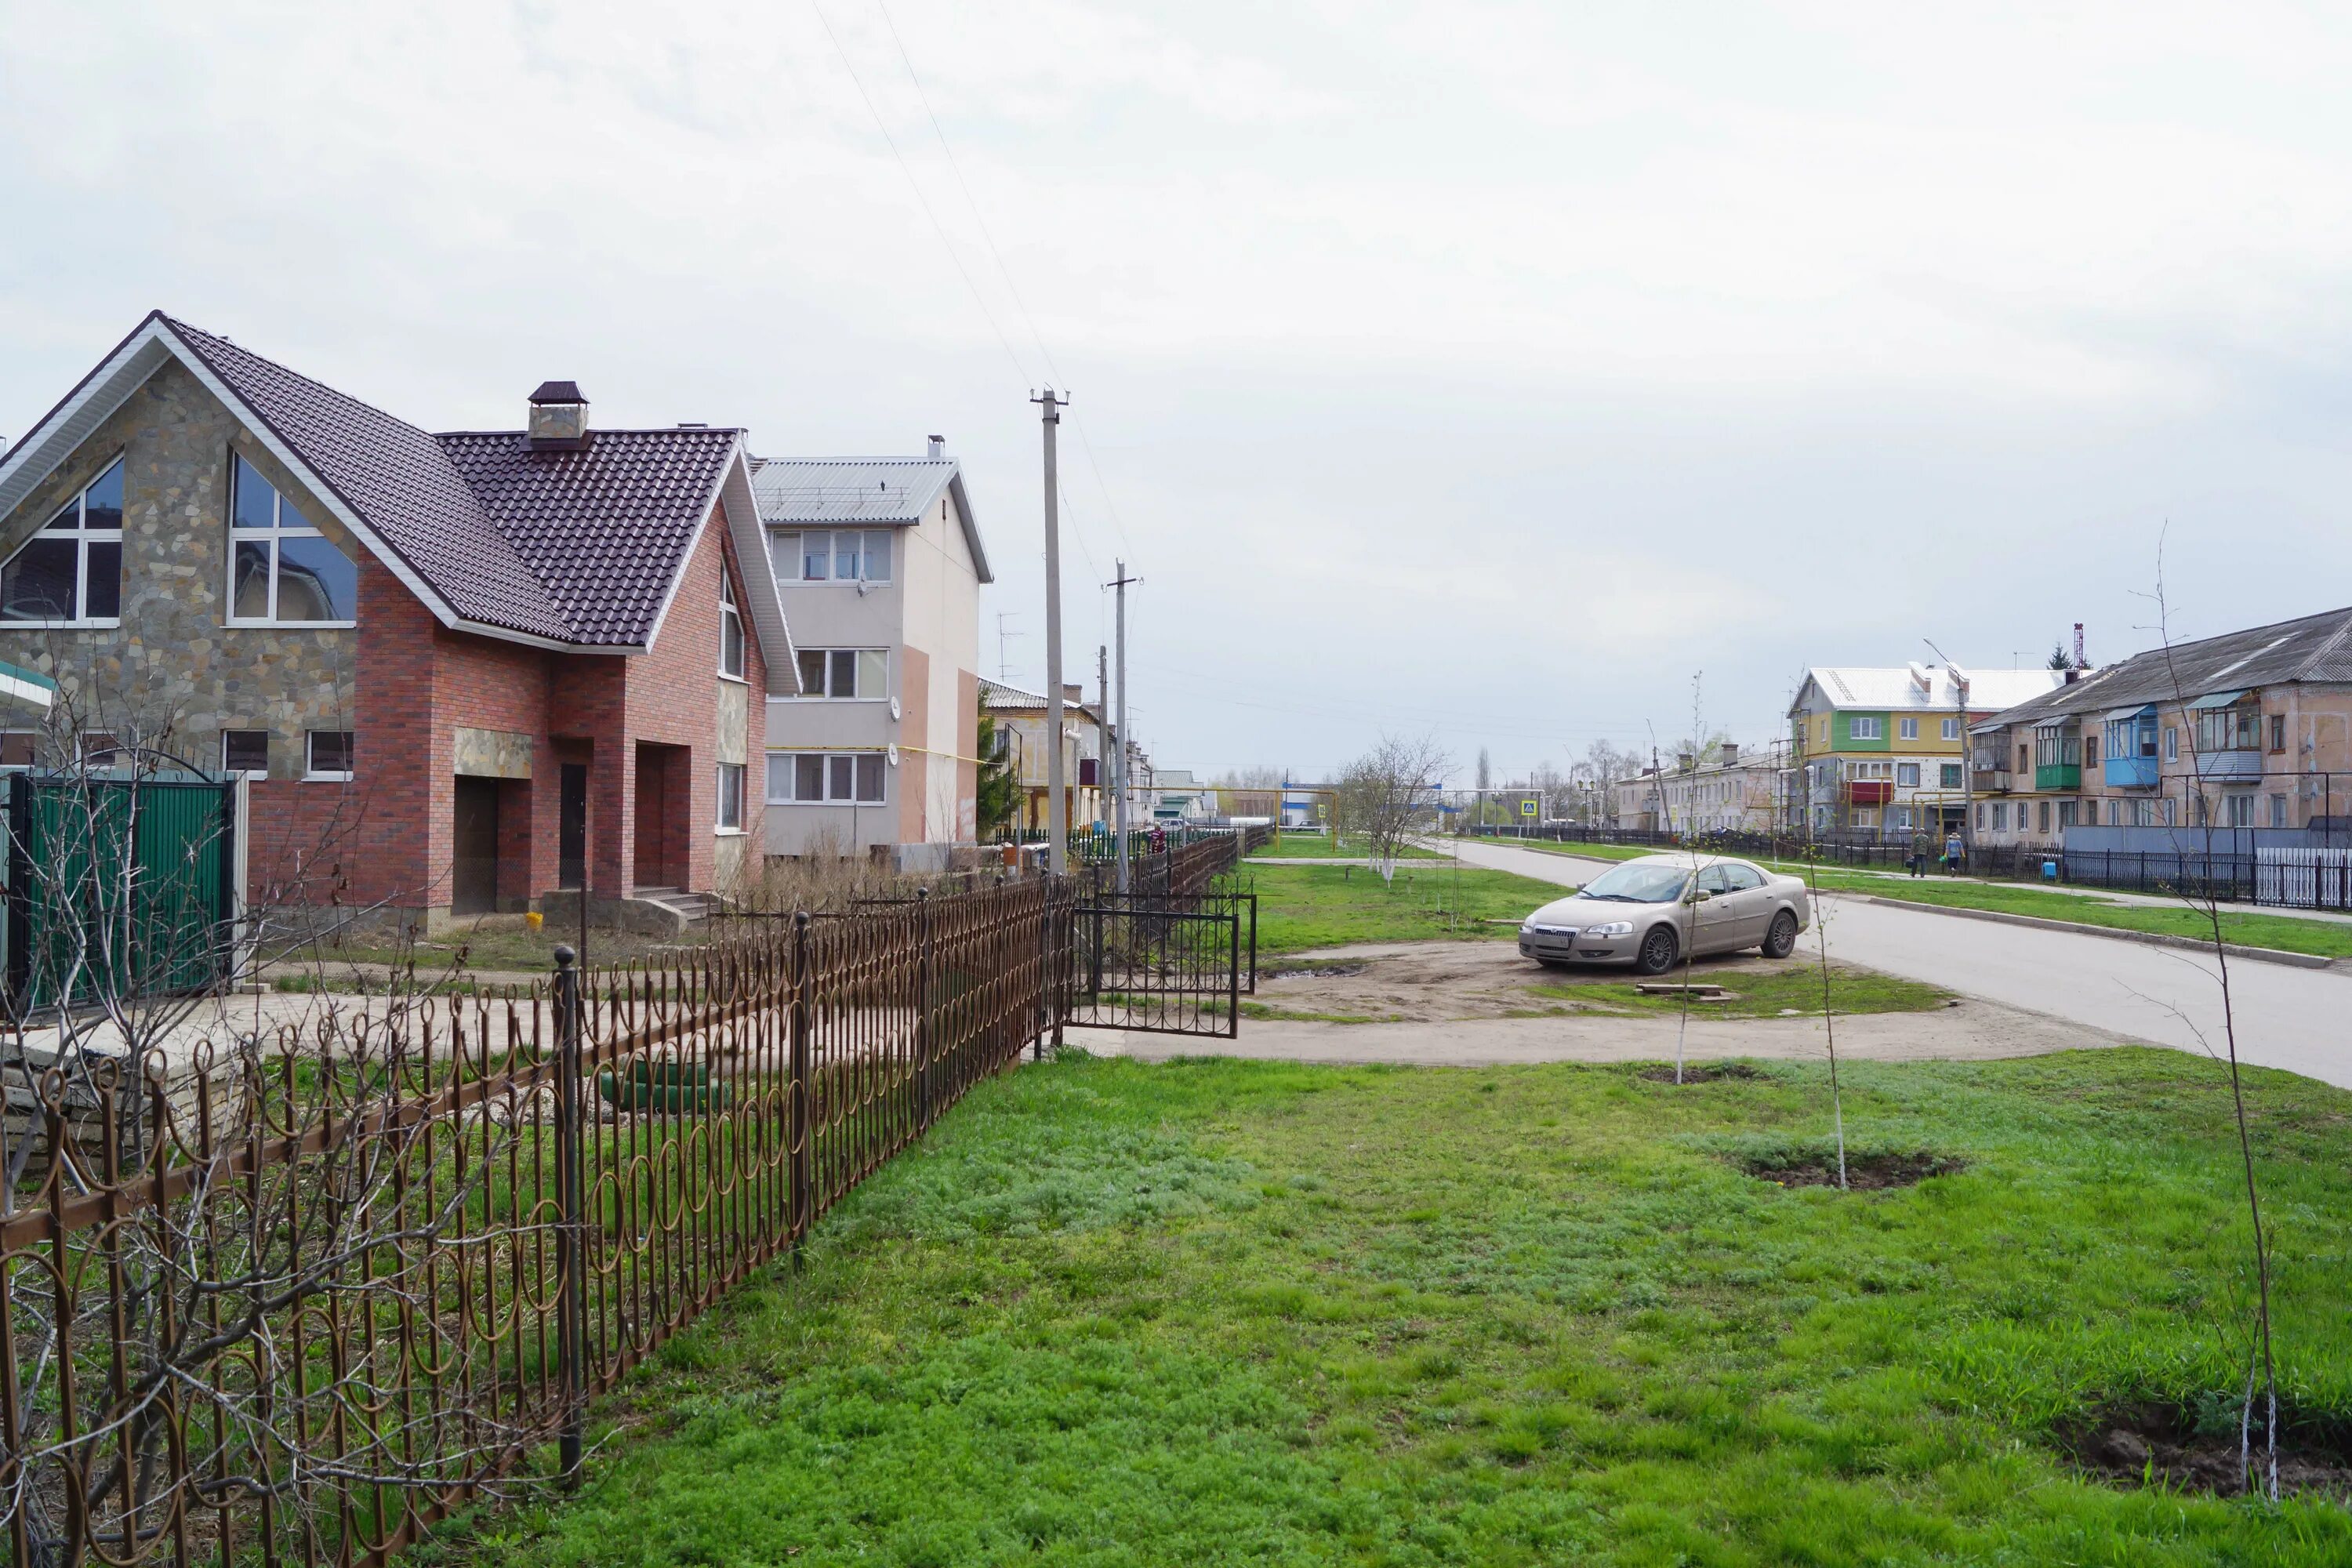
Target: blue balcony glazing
<point>2129,773</point>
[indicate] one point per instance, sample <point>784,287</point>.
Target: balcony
<point>2235,764</point>
<point>1871,792</point>
<point>1990,781</point>
<point>2129,773</point>
<point>2058,777</point>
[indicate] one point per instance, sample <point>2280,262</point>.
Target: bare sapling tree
<point>1829,1014</point>
<point>2198,892</point>
<point>1382,796</point>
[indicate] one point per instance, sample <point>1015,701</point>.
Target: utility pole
<point>1057,806</point>
<point>1119,823</point>
<point>1960,690</point>
<point>1102,727</point>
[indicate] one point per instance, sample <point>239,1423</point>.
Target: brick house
<point>463,671</point>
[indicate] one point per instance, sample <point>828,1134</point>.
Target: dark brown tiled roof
<point>558,392</point>
<point>577,546</point>
<point>605,527</point>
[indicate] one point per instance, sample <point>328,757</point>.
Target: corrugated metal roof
<point>821,492</point>
<point>2316,649</point>
<point>814,492</point>
<point>1902,689</point>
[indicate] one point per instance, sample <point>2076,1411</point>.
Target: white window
<point>2278,811</point>
<point>70,573</point>
<point>2000,815</point>
<point>1859,727</point>
<point>1906,774</point>
<point>835,556</point>
<point>2242,810</point>
<point>825,778</point>
<point>1907,728</point>
<point>282,570</point>
<point>844,674</point>
<point>246,751</point>
<point>730,627</point>
<point>329,755</point>
<point>1951,729</point>
<point>1902,815</point>
<point>2171,743</point>
<point>730,797</point>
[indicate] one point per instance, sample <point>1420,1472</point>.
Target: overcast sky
<point>1485,369</point>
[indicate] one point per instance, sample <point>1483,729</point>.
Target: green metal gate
<point>119,885</point>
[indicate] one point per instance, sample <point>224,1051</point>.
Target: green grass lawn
<point>1757,991</point>
<point>2327,939</point>
<point>1302,907</point>
<point>1295,845</point>
<point>1217,1312</point>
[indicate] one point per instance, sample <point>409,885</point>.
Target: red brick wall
<point>388,837</point>
<point>673,698</point>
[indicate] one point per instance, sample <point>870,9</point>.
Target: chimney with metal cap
<point>559,418</point>
<point>939,448</point>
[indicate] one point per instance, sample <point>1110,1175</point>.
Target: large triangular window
<point>70,573</point>
<point>282,570</point>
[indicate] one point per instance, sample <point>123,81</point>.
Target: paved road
<point>2299,1020</point>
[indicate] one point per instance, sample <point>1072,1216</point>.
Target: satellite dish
<point>894,756</point>
<point>893,708</point>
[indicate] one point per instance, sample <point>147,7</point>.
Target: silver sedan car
<point>1648,912</point>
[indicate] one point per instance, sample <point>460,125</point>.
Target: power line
<point>954,256</point>
<point>988,238</point>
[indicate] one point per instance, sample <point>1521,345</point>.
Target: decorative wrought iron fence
<point>288,1298</point>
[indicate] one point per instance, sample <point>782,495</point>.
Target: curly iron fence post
<point>799,1164</point>
<point>922,1009</point>
<point>570,1317</point>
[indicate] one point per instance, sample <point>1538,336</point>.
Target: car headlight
<point>1614,928</point>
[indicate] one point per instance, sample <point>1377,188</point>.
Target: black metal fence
<point>288,1298</point>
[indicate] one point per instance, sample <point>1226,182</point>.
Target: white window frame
<point>311,773</point>
<point>277,532</point>
<point>1855,730</point>
<point>262,771</point>
<point>1906,728</point>
<point>730,617</point>
<point>1899,783</point>
<point>2172,743</point>
<point>83,537</point>
<point>859,667</point>
<point>824,773</point>
<point>1951,729</point>
<point>725,822</point>
<point>792,567</point>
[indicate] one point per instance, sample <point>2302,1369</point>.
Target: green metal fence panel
<point>118,886</point>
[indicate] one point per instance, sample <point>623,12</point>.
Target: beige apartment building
<point>1733,791</point>
<point>878,562</point>
<point>2249,732</point>
<point>1021,726</point>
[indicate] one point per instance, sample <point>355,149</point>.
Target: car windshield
<point>1639,882</point>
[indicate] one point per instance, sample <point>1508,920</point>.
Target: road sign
<point>1526,808</point>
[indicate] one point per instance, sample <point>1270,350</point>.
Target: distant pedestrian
<point>1921,847</point>
<point>1955,854</point>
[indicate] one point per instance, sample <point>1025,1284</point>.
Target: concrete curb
<point>2146,937</point>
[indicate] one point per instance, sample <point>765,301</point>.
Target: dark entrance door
<point>571,828</point>
<point>474,874</point>
<point>653,815</point>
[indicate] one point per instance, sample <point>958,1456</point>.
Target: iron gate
<point>1167,963</point>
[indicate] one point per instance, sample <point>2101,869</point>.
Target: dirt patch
<point>1450,981</point>
<point>1696,1072</point>
<point>1311,972</point>
<point>2162,1444</point>
<point>1863,1172</point>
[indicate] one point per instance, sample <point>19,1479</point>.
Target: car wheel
<point>1658,951</point>
<point>1781,941</point>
